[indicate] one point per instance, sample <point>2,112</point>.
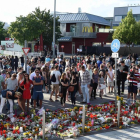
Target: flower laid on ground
<point>68,122</point>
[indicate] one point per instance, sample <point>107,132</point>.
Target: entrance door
<point>73,48</point>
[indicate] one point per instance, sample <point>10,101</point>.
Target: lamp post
<point>54,29</point>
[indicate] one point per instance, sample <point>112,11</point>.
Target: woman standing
<point>26,91</point>
<point>64,86</point>
<point>20,80</point>
<point>94,82</point>
<point>39,64</point>
<point>73,83</point>
<point>101,83</point>
<point>44,75</point>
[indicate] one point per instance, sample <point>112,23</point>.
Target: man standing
<point>55,79</point>
<point>37,90</point>
<point>84,81</point>
<point>22,61</point>
<point>124,72</point>
<point>29,68</point>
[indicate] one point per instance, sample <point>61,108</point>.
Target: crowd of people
<point>65,78</point>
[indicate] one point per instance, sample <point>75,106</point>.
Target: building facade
<point>121,12</point>
<point>81,29</point>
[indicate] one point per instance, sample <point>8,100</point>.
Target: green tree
<point>25,28</point>
<point>47,20</point>
<point>33,25</point>
<point>127,30</point>
<point>3,32</point>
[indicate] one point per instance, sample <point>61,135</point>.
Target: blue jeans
<point>85,92</point>
<point>22,64</point>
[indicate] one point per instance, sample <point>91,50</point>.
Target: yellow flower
<point>118,97</point>
<point>121,98</point>
<point>120,127</point>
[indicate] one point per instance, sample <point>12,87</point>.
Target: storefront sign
<point>9,45</point>
<point>88,29</point>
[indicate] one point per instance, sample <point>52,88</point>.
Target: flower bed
<point>68,122</point>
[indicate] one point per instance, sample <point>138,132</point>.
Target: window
<point>118,18</point>
<point>138,17</point>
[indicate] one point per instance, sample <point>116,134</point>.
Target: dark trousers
<point>94,88</point>
<point>123,85</point>
<point>118,84</point>
<point>63,98</point>
<point>73,97</point>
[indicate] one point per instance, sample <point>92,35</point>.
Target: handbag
<point>61,95</point>
<point>71,88</point>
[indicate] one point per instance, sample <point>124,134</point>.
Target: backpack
<point>53,78</point>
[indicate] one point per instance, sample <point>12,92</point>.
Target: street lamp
<point>54,29</point>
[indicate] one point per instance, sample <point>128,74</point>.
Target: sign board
<point>115,45</point>
<point>115,55</point>
<point>62,46</point>
<point>26,50</point>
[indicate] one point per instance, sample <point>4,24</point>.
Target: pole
<point>118,115</point>
<point>25,56</point>
<point>54,29</point>
<point>115,82</point>
<point>83,119</point>
<point>43,124</point>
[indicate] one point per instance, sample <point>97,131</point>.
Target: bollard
<point>118,115</point>
<point>43,125</point>
<point>83,119</point>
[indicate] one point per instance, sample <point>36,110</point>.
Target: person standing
<point>22,61</point>
<point>84,81</point>
<point>64,86</point>
<point>124,72</point>
<point>37,90</point>
<point>94,82</point>
<point>110,79</point>
<point>26,86</point>
<point>16,63</point>
<point>73,83</point>
<point>55,79</point>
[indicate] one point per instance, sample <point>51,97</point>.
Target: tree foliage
<point>3,32</point>
<point>33,25</point>
<point>127,31</point>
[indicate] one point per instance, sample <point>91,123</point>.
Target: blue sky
<point>10,9</point>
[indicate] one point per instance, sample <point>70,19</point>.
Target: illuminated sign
<point>87,29</point>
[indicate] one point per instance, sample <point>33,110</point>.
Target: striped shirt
<point>133,80</point>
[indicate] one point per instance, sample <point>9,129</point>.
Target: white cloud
<point>10,9</point>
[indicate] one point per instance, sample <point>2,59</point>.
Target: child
<point>101,83</point>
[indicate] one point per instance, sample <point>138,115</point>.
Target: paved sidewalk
<point>122,134</point>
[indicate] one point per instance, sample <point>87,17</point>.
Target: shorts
<point>37,95</point>
<point>55,87</point>
<point>132,89</point>
<point>110,84</point>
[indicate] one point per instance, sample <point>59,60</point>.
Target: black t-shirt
<point>22,59</point>
<point>43,59</point>
<point>124,69</point>
<point>65,82</point>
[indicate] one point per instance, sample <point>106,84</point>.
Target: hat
<point>122,62</point>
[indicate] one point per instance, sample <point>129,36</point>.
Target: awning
<point>65,39</point>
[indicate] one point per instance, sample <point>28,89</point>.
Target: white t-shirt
<point>57,74</point>
<point>127,62</point>
<point>111,75</point>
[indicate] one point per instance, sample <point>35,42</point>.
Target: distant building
<point>121,12</point>
<point>82,29</point>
